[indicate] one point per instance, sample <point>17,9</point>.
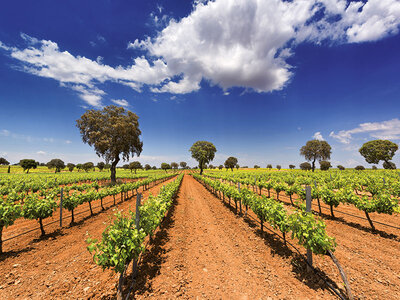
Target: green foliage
<point>27,164</point>
<point>359,168</point>
<point>4,161</point>
<point>101,165</point>
<point>70,167</point>
<point>389,165</point>
<point>325,165</point>
<point>256,167</point>
<point>316,150</point>
<point>305,166</point>
<point>183,164</point>
<point>174,165</point>
<point>230,162</point>
<point>35,208</point>
<point>292,166</point>
<point>340,167</point>
<point>377,150</point>
<point>135,166</point>
<point>269,166</point>
<point>88,166</point>
<point>203,152</point>
<point>121,242</point>
<point>278,167</point>
<point>9,211</point>
<point>310,232</point>
<point>112,132</point>
<point>56,163</point>
<point>165,166</point>
<point>147,167</point>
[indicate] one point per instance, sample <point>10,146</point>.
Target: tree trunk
<point>90,206</point>
<point>291,201</point>
<point>41,226</point>
<point>101,203</point>
<point>313,165</point>
<point>332,212</point>
<point>342,274</point>
<point>113,170</point>
<point>319,206</point>
<point>120,285</point>
<point>72,217</point>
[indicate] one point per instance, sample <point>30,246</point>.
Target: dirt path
<point>59,266</point>
<point>204,251</point>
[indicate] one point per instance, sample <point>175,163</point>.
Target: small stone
<point>16,265</point>
<point>205,270</point>
<point>86,289</point>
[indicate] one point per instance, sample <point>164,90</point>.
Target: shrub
<point>305,166</point>
<point>325,165</point>
<point>340,167</point>
<point>359,168</point>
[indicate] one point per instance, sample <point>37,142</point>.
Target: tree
<point>101,166</point>
<point>135,165</point>
<point>211,167</point>
<point>4,161</point>
<point>377,150</point>
<point>278,167</point>
<point>231,162</point>
<point>27,164</point>
<point>174,165</point>
<point>70,166</point>
<point>374,168</point>
<point>165,166</point>
<point>256,167</point>
<point>269,166</point>
<point>220,167</point>
<point>147,167</point>
<point>324,165</point>
<point>389,165</point>
<point>125,166</point>
<point>183,164</point>
<point>359,168</point>
<point>56,163</point>
<point>107,166</point>
<point>340,167</point>
<point>87,166</point>
<point>203,152</point>
<point>113,132</point>
<point>154,167</point>
<point>305,166</point>
<point>316,150</point>
<point>292,167</point>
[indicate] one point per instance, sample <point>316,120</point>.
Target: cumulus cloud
<point>229,43</point>
<point>41,152</point>
<point>4,132</point>
<point>120,102</point>
<point>386,130</point>
<point>318,136</point>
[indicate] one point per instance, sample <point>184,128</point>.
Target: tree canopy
<point>70,166</point>
<point>316,150</point>
<point>27,164</point>
<point>113,132</point>
<point>183,164</point>
<point>203,152</point>
<point>165,166</point>
<point>174,165</point>
<point>379,150</point>
<point>305,166</point>
<point>87,166</point>
<point>101,165</point>
<point>147,167</point>
<point>231,162</point>
<point>324,165</point>
<point>4,161</point>
<point>56,163</point>
<point>135,165</point>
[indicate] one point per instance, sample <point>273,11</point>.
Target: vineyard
<point>75,234</point>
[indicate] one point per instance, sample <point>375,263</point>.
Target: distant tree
<point>135,166</point>
<point>57,164</point>
<point>113,132</point>
<point>245,167</point>
<point>125,166</point>
<point>87,166</point>
<point>377,150</point>
<point>389,165</point>
<point>4,161</point>
<point>340,167</point>
<point>165,166</point>
<point>374,168</point>
<point>324,165</point>
<point>70,166</point>
<point>183,164</point>
<point>269,166</point>
<point>292,167</point>
<point>231,162</point>
<point>79,167</point>
<point>203,152</point>
<point>147,167</point>
<point>316,150</point>
<point>154,168</point>
<point>256,167</point>
<point>174,165</point>
<point>211,167</point>
<point>220,167</point>
<point>360,168</point>
<point>278,167</point>
<point>107,166</point>
<point>305,166</point>
<point>101,165</point>
<point>237,166</point>
<point>27,164</point>
<point>42,164</point>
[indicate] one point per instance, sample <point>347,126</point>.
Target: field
<point>207,241</point>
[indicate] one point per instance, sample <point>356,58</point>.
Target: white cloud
<point>41,153</point>
<point>68,142</point>
<point>229,43</point>
<point>4,132</point>
<point>120,102</point>
<point>318,136</point>
<point>386,130</point>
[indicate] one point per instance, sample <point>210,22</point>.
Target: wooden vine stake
<point>61,201</point>
<point>137,225</point>
<point>342,274</point>
<point>308,209</point>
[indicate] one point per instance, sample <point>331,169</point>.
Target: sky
<point>257,78</point>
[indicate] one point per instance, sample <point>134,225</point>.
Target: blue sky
<point>256,78</point>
